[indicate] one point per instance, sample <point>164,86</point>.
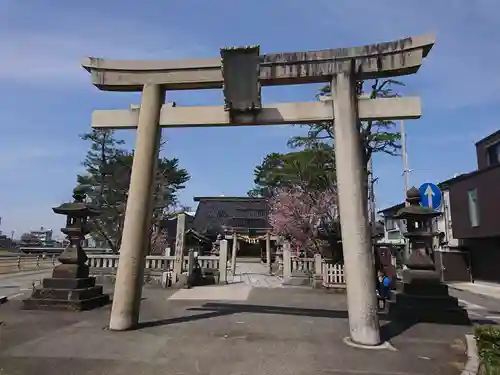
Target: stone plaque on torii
<point>341,67</point>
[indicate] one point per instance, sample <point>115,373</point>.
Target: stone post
<point>223,262</point>
<point>190,261</point>
<point>130,274</point>
<point>179,245</point>
<point>318,272</point>
<point>233,254</point>
<point>358,257</point>
<point>287,261</point>
<point>268,254</point>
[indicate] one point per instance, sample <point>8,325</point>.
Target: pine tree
<point>107,177</point>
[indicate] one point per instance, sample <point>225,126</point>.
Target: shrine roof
<point>214,213</point>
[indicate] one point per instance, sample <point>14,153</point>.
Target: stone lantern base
<point>422,297</point>
<point>70,288</point>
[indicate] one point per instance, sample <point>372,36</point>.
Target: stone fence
<point>158,267</point>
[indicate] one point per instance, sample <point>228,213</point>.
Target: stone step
<point>436,302</point>
<point>63,283</point>
<point>56,304</point>
<point>67,294</point>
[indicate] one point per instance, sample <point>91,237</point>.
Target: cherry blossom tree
<point>301,214</point>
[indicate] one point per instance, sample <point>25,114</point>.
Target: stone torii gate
<point>240,73</point>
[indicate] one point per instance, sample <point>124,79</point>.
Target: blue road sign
<point>430,196</point>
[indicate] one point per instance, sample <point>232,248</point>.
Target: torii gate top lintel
<point>389,59</point>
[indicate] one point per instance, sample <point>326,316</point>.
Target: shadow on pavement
<point>392,328</point>
<point>182,319</point>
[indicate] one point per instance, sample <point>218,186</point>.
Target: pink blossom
<point>297,214</point>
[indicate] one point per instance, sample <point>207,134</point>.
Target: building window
<point>393,235</point>
<point>473,208</point>
<point>390,224</point>
<point>493,154</point>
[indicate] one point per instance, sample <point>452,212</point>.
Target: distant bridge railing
<point>59,250</point>
<point>15,262</point>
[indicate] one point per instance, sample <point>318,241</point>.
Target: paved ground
<point>486,289</point>
<point>255,275</point>
<point>259,331</point>
<point>13,285</point>
<point>481,308</point>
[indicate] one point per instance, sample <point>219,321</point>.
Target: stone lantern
<point>70,287</point>
<point>422,295</point>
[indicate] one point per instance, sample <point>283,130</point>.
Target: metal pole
<point>406,170</point>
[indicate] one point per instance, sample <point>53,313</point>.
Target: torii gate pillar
<point>358,257</point>
<point>130,274</point>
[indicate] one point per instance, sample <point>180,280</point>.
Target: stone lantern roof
<point>78,208</point>
<point>414,210</point>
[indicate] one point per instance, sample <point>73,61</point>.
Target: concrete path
<point>254,274</point>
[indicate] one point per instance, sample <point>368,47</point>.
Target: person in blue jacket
<point>383,288</point>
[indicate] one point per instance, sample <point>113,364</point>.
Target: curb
<point>472,365</point>
<point>3,299</point>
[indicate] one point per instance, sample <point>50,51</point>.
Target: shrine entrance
<point>240,73</point>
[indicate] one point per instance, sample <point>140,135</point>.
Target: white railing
<point>102,261</point>
<point>303,264</point>
<point>158,262</point>
<point>153,262</point>
<point>333,274</point>
<point>209,261</point>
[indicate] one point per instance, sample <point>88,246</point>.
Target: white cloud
<point>460,70</point>
<point>19,154</point>
<point>41,47</point>
<point>50,53</point>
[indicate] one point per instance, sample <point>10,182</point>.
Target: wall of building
<point>487,184</point>
<point>481,149</point>
<point>484,258</point>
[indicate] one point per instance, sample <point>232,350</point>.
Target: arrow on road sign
<point>430,194</point>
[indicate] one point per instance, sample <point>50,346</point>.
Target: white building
<point>43,235</point>
<point>444,224</point>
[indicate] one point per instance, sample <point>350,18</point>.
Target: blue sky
<point>48,98</point>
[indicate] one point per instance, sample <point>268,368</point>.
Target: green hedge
<point>488,346</point>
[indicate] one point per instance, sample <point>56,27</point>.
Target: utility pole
<point>406,170</point>
<point>406,176</point>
